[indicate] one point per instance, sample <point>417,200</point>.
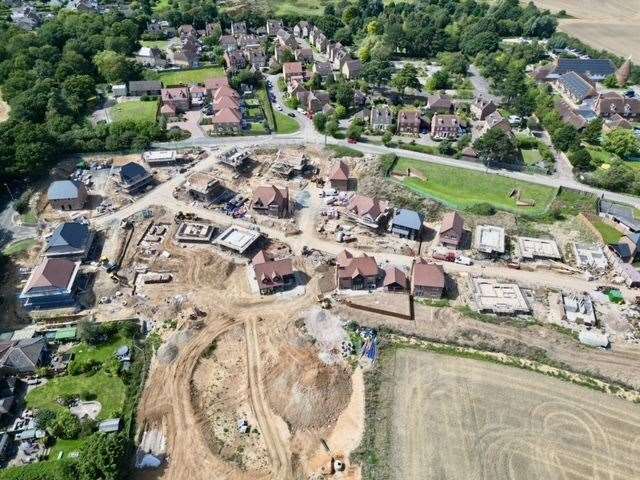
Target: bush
<point>88,395</point>
<point>89,332</point>
<point>22,204</point>
<point>484,209</point>
<point>527,142</point>
<point>386,138</point>
<point>148,98</point>
<point>129,329</point>
<point>580,158</point>
<point>44,372</point>
<point>67,399</point>
<point>45,418</point>
<point>87,427</point>
<point>66,425</point>
<point>77,367</point>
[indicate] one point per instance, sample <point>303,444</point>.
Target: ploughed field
<point>444,417</point>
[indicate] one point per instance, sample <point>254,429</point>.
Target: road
<point>11,230</point>
<point>481,84</point>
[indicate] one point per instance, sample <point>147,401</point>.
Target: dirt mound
<point>305,392</point>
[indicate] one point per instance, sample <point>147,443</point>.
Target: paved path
<point>481,84</point>
<point>11,230</point>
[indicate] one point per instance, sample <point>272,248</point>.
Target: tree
<point>580,158</point>
<point>610,82</point>
<point>439,81</point>
<point>621,142</point>
<point>66,425</point>
<point>446,147</point>
<point>565,137</point>
<point>454,63</point>
<point>376,72</point>
<point>480,42</point>
<point>386,138</point>
<point>89,332</point>
<point>320,121</point>
<point>407,78</point>
<point>105,456</point>
<point>354,131</point>
<point>115,67</point>
<point>593,131</point>
<point>542,26</point>
<point>340,112</point>
<point>45,418</point>
<point>331,128</point>
<point>496,146</point>
<point>344,94</point>
<point>374,27</point>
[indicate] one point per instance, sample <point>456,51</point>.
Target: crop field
<point>138,111</point>
<point>186,77</point>
<point>460,188</point>
<point>608,24</point>
<point>445,417</point>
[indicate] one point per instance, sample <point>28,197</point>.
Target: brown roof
<point>343,258</point>
<point>452,222</point>
<point>445,120</point>
<point>271,195</point>
<point>363,266</point>
<point>439,101</point>
<point>226,91</point>
<point>271,273</point>
<point>292,68</point>
<point>361,205</point>
<point>52,272</point>
<point>226,102</point>
<point>409,116</point>
<point>394,275</point>
<point>175,93</point>
<point>427,274</point>
<point>616,121</point>
<point>341,172</point>
<point>227,115</point>
<point>216,83</point>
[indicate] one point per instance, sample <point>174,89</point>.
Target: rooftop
<point>237,238</point>
<point>65,189</point>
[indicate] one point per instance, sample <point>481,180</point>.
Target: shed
<point>65,334</point>
<point>109,426</point>
<point>593,338</point>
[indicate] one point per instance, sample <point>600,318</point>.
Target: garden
<point>135,110</point>
<point>188,77</point>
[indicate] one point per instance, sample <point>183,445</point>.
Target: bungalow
<point>177,97</point>
<point>351,69</point>
<point>227,120</point>
<point>273,26</point>
<point>235,60</point>
<point>341,179</point>
<point>610,103</point>
<point>271,200</point>
<point>52,284</point>
<point>70,240</point>
<point>356,273</point>
<point>367,210</point>
<point>317,100</point>
<point>67,195</point>
<point>575,86</point>
<point>445,126</point>
<point>145,88</point>
<point>451,230</point>
<point>427,279</point>
<point>439,103</point>
<point>381,117</point>
<point>395,280</point>
<point>272,275</point>
<point>22,357</point>
<point>409,121</point>
<point>134,177</point>
<point>407,224</point>
<point>291,70</point>
<point>481,108</point>
<point>496,120</point>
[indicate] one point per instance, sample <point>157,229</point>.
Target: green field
<point>187,77</point>
<point>601,156</point>
<point>609,234</point>
<point>285,124</point>
<point>162,6</point>
<point>257,128</point>
<point>20,246</point>
<point>138,111</point>
<point>340,151</point>
<point>460,188</point>
<point>161,44</point>
<point>66,447</point>
<point>297,7</point>
<point>531,157</point>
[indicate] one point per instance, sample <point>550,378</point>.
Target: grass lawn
<point>185,77</point>
<point>460,188</point>
<point>257,128</point>
<point>253,112</point>
<point>601,156</point>
<point>20,246</point>
<point>341,151</point>
<point>531,157</point>
<point>161,44</point>
<point>609,234</point>
<point>135,110</point>
<point>429,149</point>
<point>285,124</point>
<point>296,7</point>
<point>66,447</point>
<point>29,218</point>
<point>572,203</point>
<point>101,352</point>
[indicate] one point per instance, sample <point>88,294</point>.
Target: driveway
<point>481,84</point>
<point>190,124</point>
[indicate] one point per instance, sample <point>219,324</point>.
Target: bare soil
<point>4,109</point>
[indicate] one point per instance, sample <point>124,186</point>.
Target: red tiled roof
<point>225,91</point>
<point>393,275</point>
<point>364,266</point>
<point>52,272</point>
<point>361,205</point>
<point>216,83</point>
<point>292,68</point>
<point>452,221</point>
<point>271,195</point>
<point>428,274</point>
<point>343,258</point>
<point>272,273</point>
<point>227,115</point>
<point>341,172</point>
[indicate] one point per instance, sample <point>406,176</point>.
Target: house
<point>407,224</point>
<point>256,58</point>
<point>150,57</point>
<point>134,177</point>
<point>616,121</point>
<point>427,279</point>
<point>235,60</point>
<point>630,274</point>
<point>198,95</point>
<point>395,280</point>
<point>481,108</point>
<point>381,117</point>
<point>360,100</point>
<point>568,115</point>
<point>496,120</point>
<point>271,200</point>
<point>575,86</point>
<point>227,120</point>
<point>341,179</point>
<point>22,357</point>
<point>273,26</point>
<point>178,98</point>
<point>316,101</point>
<point>445,126</point>
<point>119,90</point>
<point>161,27</point>
<point>248,41</point>
<point>409,121</point>
<point>26,17</point>
<point>145,88</point>
<point>67,195</point>
<point>321,41</point>
<point>272,275</point>
<point>451,230</point>
<point>203,186</point>
<point>71,240</point>
<point>439,103</point>
<point>596,69</point>
<point>286,39</point>
<point>301,29</point>
<point>187,54</point>
<point>610,103</point>
<point>228,43</point>
<point>238,28</point>
<point>213,84</point>
<point>85,6</point>
<point>52,284</point>
<point>367,210</point>
<point>291,70</point>
<point>323,69</point>
<point>187,31</point>
<point>627,248</point>
<point>351,69</point>
<point>356,273</point>
<point>303,55</point>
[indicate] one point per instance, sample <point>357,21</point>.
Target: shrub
<point>22,204</point>
<point>45,418</point>
<point>88,395</point>
<point>527,142</point>
<point>67,399</point>
<point>78,367</point>
<point>66,425</point>
<point>484,209</point>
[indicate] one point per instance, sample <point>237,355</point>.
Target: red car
<point>351,140</point>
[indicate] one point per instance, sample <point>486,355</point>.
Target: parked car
<point>462,260</point>
<point>279,107</point>
<point>291,114</point>
<point>351,140</point>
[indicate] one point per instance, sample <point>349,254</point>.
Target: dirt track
<point>454,419</point>
<point>4,109</point>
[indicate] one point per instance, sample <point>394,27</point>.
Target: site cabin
<point>451,230</point>
<point>69,240</point>
<point>52,284</point>
<point>356,273</point>
<point>271,200</point>
<point>395,280</point>
<point>427,279</point>
<point>272,275</point>
<point>67,195</point>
